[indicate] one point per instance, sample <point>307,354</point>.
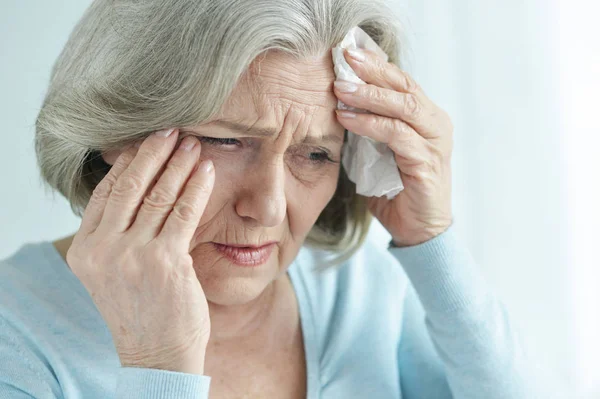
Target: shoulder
<point>26,321</point>
<point>35,272</point>
<point>39,293</point>
<point>45,312</point>
<point>23,273</point>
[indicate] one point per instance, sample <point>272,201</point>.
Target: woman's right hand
<point>132,254</point>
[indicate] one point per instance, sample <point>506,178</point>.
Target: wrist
<point>192,363</point>
<point>422,237</point>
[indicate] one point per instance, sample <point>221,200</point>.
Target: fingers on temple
<point>159,202</point>
<point>134,182</point>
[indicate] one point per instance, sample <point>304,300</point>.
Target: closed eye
<point>219,141</point>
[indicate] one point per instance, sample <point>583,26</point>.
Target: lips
<point>246,255</point>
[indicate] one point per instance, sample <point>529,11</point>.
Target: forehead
<point>278,73</point>
<point>276,84</point>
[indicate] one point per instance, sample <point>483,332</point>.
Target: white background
<point>520,80</point>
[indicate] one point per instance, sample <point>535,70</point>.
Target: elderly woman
<point>223,252</point>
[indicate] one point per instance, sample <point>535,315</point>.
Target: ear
<point>110,157</point>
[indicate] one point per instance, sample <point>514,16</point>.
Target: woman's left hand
<point>419,133</point>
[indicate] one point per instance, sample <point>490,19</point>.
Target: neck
<point>244,321</point>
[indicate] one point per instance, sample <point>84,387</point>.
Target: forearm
<point>469,327</point>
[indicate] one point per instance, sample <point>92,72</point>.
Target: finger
<point>157,205</point>
<point>95,208</point>
<point>180,226</point>
<point>391,103</point>
<point>410,148</point>
<point>375,70</point>
<point>133,183</point>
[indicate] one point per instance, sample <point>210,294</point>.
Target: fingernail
<point>345,87</point>
<point>206,166</point>
<point>357,54</point>
<point>346,114</point>
<point>188,143</point>
<point>165,133</point>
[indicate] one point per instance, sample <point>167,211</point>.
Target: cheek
<point>306,201</point>
<point>229,173</point>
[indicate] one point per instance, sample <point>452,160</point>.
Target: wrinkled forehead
<point>276,79</point>
<point>312,75</point>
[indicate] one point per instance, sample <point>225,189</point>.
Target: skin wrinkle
<point>235,295</point>
<point>203,226</point>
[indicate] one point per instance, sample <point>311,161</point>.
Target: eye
<point>316,156</point>
<point>219,141</point>
<point>320,157</point>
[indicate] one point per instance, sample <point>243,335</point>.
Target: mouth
<point>245,254</point>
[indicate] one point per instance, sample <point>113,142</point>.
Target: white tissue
<point>368,163</point>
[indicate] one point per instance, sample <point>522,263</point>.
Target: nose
<point>263,195</point>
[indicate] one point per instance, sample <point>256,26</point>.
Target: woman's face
<point>272,185</point>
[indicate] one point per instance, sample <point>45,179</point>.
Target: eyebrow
<point>267,132</point>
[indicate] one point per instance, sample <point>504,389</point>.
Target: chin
<point>234,291</point>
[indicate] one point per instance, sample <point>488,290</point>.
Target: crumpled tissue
<point>368,163</point>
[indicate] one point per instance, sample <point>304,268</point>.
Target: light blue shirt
<point>415,323</point>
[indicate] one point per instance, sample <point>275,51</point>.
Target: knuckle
<point>396,100</point>
<point>159,198</point>
<point>185,210</point>
<point>400,127</point>
<point>380,68</point>
<point>374,95</point>
<point>388,125</point>
<point>412,107</point>
<point>410,84</point>
<point>150,156</point>
<point>127,185</point>
<point>374,124</point>
<point>124,159</point>
<point>102,189</point>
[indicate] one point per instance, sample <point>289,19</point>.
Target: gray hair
<point>131,67</point>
